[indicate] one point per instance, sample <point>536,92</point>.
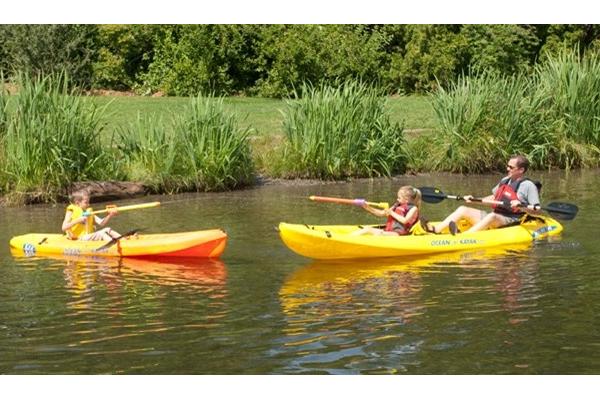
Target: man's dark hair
<point>522,161</point>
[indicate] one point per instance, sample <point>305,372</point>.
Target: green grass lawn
<point>264,115</point>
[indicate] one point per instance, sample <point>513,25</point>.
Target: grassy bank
<point>264,116</point>
<point>212,143</point>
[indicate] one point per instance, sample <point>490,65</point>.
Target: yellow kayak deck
<point>330,242</point>
<point>205,243</point>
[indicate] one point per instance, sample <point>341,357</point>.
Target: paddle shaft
<point>115,240</point>
<point>354,202</point>
<point>495,202</point>
<point>559,210</point>
<point>127,208</point>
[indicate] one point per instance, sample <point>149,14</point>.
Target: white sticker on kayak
<point>29,249</point>
<point>543,230</point>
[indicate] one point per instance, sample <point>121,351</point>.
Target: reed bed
<point>150,151</point>
<point>551,116</point>
<point>50,139</point>
<point>201,149</point>
<point>340,132</point>
<point>569,85</point>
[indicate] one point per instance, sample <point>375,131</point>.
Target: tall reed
<point>3,129</point>
<point>52,138</point>
<point>570,87</point>
<point>3,107</point>
<point>150,150</point>
<point>484,119</point>
<point>339,132</point>
<point>201,149</point>
<point>214,148</point>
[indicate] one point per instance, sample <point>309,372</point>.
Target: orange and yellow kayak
<point>205,244</point>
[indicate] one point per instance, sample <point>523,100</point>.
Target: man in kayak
<point>514,190</point>
<point>79,222</point>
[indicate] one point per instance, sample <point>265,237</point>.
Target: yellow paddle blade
<point>381,205</point>
<point>127,208</point>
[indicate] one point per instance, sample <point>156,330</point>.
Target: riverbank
<point>263,117</point>
<point>174,144</point>
<point>206,144</point>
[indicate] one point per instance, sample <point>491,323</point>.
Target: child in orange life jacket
<point>400,217</point>
<point>514,189</point>
<point>79,223</point>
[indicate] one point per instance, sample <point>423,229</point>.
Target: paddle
<point>354,202</point>
<point>115,240</point>
<point>126,208</point>
<point>564,211</point>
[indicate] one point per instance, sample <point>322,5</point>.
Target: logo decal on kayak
<point>454,242</point>
<point>543,230</point>
<point>29,249</point>
<point>71,252</point>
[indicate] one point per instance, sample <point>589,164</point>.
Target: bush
<point>53,49</point>
<point>292,55</point>
<point>190,59</point>
<point>125,53</point>
<point>506,49</point>
<point>429,54</point>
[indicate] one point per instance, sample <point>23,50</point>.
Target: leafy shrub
<point>292,55</point>
<point>124,53</point>
<point>190,59</point>
<point>53,49</point>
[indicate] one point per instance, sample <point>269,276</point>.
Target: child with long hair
<point>401,216</point>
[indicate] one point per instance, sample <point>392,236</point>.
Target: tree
<point>125,52</point>
<point>189,59</point>
<point>502,48</point>
<point>47,49</point>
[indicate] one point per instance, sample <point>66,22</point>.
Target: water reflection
<point>82,273</point>
<point>370,316</point>
<point>125,306</point>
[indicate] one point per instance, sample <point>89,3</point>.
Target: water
<point>263,310</point>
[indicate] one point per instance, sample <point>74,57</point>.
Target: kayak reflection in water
<point>515,190</point>
<point>79,221</point>
<point>400,217</point>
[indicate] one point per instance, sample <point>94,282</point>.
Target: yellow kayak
<point>206,244</point>
<point>330,242</point>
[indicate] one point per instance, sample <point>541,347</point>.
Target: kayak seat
<point>422,228</point>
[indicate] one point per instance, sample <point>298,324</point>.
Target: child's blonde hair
<point>79,195</point>
<point>412,194</point>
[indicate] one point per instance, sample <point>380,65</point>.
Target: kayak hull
<point>204,244</point>
<point>331,242</point>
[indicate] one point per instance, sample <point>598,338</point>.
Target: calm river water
<point>261,309</point>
